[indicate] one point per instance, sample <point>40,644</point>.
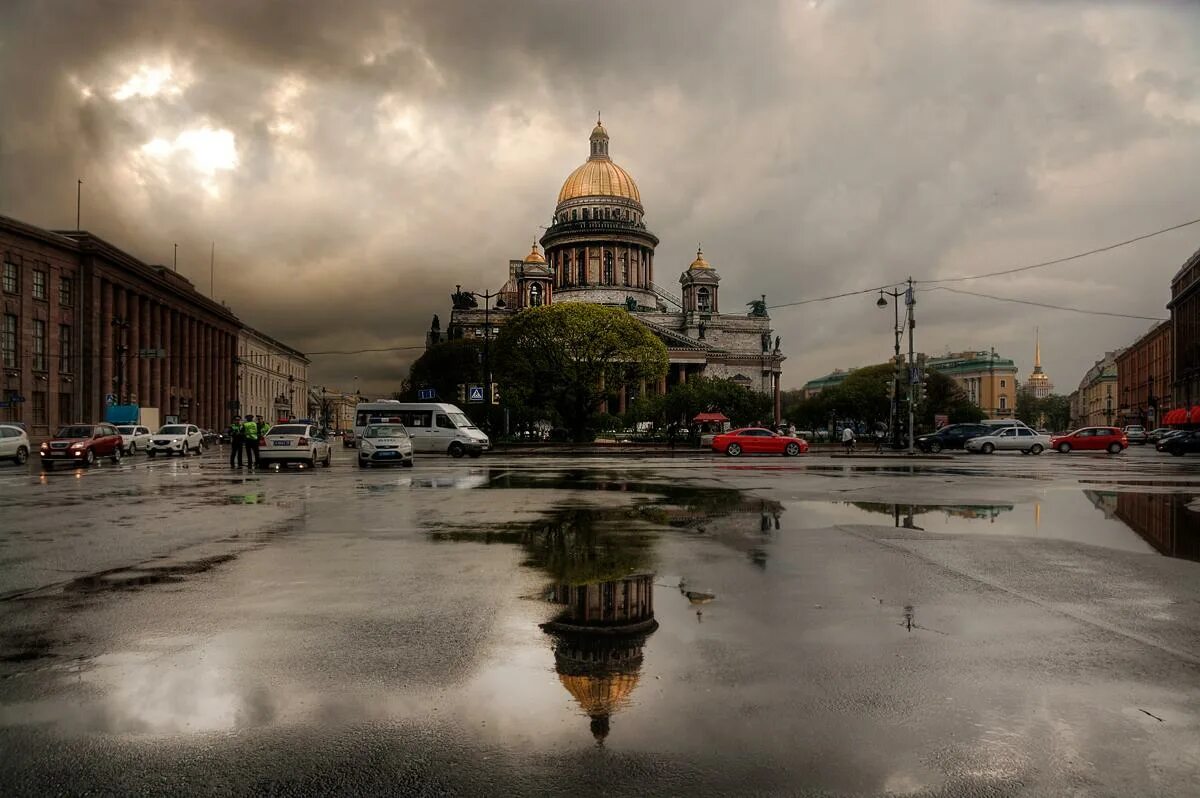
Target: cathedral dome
<point>700,262</point>
<point>534,255</point>
<point>599,176</point>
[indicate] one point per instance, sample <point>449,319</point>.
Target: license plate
<point>282,443</point>
<point>386,454</point>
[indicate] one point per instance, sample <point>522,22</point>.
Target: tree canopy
<point>566,359</point>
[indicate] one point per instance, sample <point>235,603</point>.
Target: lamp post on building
<point>120,327</point>
<point>897,332</point>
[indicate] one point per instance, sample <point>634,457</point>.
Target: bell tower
<point>699,284</point>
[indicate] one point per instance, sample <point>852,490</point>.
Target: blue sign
<point>425,394</point>
<point>110,398</point>
<point>475,393</point>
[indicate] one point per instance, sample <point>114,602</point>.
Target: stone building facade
<point>86,323</point>
<point>1185,334</point>
<point>1144,372</point>
<point>1098,398</point>
<point>272,377</point>
<point>988,380</point>
<point>599,250</point>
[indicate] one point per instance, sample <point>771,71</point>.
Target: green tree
<point>943,396</point>
<point>717,395</point>
<point>566,359</point>
<point>1056,412</point>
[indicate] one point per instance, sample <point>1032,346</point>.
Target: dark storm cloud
<point>354,160</point>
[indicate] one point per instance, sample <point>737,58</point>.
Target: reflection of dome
<point>599,176</point>
<point>534,256</point>
<point>600,696</point>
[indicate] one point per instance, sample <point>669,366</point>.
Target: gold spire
<point>699,262</point>
<point>1037,347</point>
<point>534,255</point>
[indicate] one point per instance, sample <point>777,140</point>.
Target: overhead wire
<point>1046,304</point>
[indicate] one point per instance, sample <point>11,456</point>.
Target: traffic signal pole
<point>910,300</point>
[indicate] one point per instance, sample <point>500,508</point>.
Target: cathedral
<point>598,249</point>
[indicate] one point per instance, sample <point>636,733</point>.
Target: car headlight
<point>45,446</point>
<point>78,445</point>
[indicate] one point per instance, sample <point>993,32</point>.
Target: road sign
<point>110,398</point>
<point>914,375</point>
<point>425,394</point>
<point>475,393</point>
<point>154,354</point>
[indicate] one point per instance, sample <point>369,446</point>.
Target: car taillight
<point>302,442</point>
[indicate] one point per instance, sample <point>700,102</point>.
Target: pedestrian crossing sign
<point>475,393</point>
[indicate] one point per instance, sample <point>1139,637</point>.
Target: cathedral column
<point>642,388</point>
<point>683,374</point>
<point>778,399</point>
<point>107,361</point>
<point>621,400</point>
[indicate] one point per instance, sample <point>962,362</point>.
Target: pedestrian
<point>237,442</point>
<point>250,430</point>
<point>848,438</point>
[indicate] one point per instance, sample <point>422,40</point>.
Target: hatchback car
<point>296,443</point>
<point>1097,439</point>
<point>954,436</point>
<point>1136,433</point>
<point>81,444</point>
<point>755,440</point>
<point>14,444</point>
<point>1187,442</point>
<point>1019,439</point>
<point>385,444</point>
<point>134,438</point>
<point>177,439</point>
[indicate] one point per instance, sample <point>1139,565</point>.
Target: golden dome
<point>599,176</point>
<point>699,262</point>
<point>534,256</point>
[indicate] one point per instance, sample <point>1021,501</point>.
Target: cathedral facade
<point>598,249</point>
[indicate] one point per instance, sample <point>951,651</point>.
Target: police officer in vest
<point>237,442</point>
<point>250,430</point>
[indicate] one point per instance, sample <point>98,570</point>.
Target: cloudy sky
<point>354,160</point>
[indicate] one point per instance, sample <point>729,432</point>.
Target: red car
<point>1099,439</point>
<point>82,445</point>
<point>754,440</point>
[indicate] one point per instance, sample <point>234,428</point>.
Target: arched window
<point>608,268</point>
<point>582,264</point>
<point>535,295</point>
<point>703,300</point>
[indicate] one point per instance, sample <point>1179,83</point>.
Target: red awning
<point>719,418</point>
<point>1169,418</point>
<point>1196,414</point>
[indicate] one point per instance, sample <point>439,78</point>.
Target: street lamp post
<point>487,296</point>
<point>896,333</point>
<point>121,326</point>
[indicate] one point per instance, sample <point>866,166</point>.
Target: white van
<point>433,427</point>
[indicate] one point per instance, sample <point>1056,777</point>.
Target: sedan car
<point>1020,439</point>
<point>14,444</point>
<point>134,438</point>
<point>177,439</point>
<point>755,440</point>
<point>81,444</point>
<point>1184,443</point>
<point>385,444</point>
<point>1136,433</point>
<point>1098,439</point>
<point>296,443</point>
<point>1155,434</point>
<point>954,436</point>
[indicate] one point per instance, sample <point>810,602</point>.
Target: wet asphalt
<point>975,626</point>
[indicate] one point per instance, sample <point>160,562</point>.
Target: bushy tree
<point>567,359</point>
<point>717,395</point>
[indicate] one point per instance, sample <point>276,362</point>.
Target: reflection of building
<point>1144,372</point>
<point>598,250</point>
<point>1097,403</point>
<point>1039,384</point>
<point>988,380</point>
<point>1162,520</point>
<point>272,377</point>
<point>598,641</point>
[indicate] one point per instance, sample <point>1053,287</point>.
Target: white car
<point>176,439</point>
<point>134,439</point>
<point>14,444</point>
<point>1019,439</point>
<point>385,444</point>
<point>296,443</point>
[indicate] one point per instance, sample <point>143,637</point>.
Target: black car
<point>1179,445</point>
<point>953,436</point>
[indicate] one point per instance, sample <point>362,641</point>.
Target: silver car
<point>295,443</point>
<point>1136,433</point>
<point>385,444</point>
<point>134,439</point>
<point>1018,439</point>
<point>14,444</point>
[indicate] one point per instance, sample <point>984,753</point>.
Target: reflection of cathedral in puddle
<point>598,640</point>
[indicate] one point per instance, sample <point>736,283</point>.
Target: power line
<point>834,296</point>
<point>1076,256</point>
<point>1046,305</point>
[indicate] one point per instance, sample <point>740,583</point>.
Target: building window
<point>624,268</point>
<point>535,295</point>
<point>8,342</point>
<point>66,292</point>
<point>586,214</point>
<point>608,268</point>
<point>1003,402</point>
<point>65,413</point>
<point>12,278</point>
<point>1003,384</point>
<point>39,284</point>
<point>574,216</point>
<point>39,408</point>
<point>66,348</point>
<point>703,300</point>
<point>39,345</point>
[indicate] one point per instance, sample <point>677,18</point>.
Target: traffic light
<point>462,392</point>
<point>495,393</point>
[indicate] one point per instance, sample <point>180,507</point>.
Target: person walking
<point>250,430</point>
<point>237,442</point>
<point>848,438</point>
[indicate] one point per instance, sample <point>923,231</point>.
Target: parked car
<point>1170,434</point>
<point>1186,442</point>
<point>755,440</point>
<point>177,439</point>
<point>385,444</point>
<point>209,438</point>
<point>954,436</point>
<point>296,443</point>
<point>1154,435</point>
<point>1099,439</point>
<point>1136,433</point>
<point>14,444</point>
<point>1020,439</point>
<point>81,444</point>
<point>134,438</point>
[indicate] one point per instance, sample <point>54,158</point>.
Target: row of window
<point>10,349</point>
<point>40,285</point>
<point>578,274</point>
<point>587,214</point>
<point>37,407</point>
